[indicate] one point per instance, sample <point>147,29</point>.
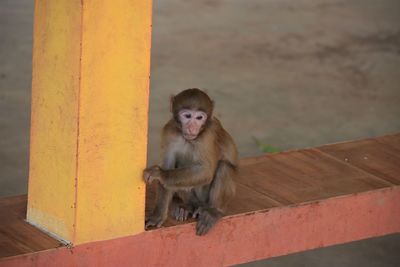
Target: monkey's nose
<point>191,130</point>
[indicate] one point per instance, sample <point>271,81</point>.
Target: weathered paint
<point>54,127</point>
<point>241,238</point>
<point>91,63</point>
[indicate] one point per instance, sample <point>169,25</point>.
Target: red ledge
<point>240,238</point>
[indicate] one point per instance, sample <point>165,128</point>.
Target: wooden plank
<point>378,156</point>
<point>249,200</point>
<point>21,238</point>
<point>11,209</point>
<point>16,236</point>
<point>246,200</point>
<point>305,175</point>
<point>240,238</point>
<point>391,140</point>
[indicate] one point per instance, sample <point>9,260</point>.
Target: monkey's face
<point>192,122</point>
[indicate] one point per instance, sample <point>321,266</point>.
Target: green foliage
<point>265,147</point>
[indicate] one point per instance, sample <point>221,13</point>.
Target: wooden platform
<point>305,199</point>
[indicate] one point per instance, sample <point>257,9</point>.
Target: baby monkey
<point>199,164</point>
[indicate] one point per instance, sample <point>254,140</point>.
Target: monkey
<point>199,164</point>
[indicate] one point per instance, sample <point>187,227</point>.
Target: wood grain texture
<point>16,236</point>
<point>378,156</point>
<point>391,140</point>
<point>246,200</point>
<point>305,175</point>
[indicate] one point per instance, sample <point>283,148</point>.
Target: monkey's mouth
<point>189,137</point>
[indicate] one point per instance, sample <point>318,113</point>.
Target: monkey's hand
<point>152,173</point>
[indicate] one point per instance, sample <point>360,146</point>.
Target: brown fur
<point>196,176</point>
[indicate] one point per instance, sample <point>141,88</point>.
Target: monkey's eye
<point>199,118</point>
<point>187,116</point>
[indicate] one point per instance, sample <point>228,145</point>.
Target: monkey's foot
<point>181,213</point>
<point>154,220</point>
<point>207,218</point>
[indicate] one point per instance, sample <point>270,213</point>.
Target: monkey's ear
<point>171,102</point>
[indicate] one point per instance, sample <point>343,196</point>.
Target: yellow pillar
<point>90,88</point>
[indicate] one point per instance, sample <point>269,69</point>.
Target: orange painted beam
<point>90,89</point>
<point>240,238</point>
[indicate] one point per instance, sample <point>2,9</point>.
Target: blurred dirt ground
<point>289,74</point>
